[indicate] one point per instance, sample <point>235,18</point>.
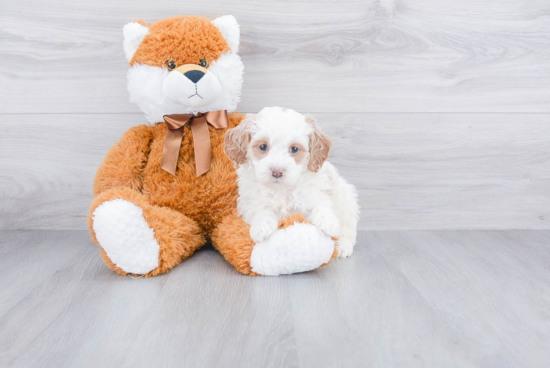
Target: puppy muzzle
<point>191,85</point>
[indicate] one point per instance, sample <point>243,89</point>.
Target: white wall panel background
<point>440,110</point>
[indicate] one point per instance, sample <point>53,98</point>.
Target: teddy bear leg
<point>138,238</point>
<point>297,246</point>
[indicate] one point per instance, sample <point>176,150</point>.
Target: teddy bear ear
<point>133,35</point>
<point>229,28</point>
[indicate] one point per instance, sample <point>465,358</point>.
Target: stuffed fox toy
<point>167,188</point>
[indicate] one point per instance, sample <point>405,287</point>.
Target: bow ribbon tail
<point>201,142</point>
<point>171,149</point>
<point>201,138</point>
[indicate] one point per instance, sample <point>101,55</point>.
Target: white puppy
<point>282,170</point>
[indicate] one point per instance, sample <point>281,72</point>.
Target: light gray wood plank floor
<point>405,298</point>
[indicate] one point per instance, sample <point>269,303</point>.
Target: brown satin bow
<point>201,138</point>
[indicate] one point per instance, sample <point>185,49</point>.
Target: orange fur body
<point>183,209</point>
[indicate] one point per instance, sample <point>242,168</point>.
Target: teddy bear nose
<point>276,173</point>
<point>194,75</point>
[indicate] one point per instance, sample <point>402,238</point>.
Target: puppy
<point>282,169</point>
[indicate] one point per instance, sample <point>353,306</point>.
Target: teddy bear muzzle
<point>191,85</point>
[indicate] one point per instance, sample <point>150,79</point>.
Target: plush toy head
<point>184,65</point>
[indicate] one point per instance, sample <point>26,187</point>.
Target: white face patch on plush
<point>282,131</point>
<point>193,88</point>
<point>158,91</point>
<point>147,90</point>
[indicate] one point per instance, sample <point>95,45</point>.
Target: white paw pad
<point>298,248</point>
<point>125,236</point>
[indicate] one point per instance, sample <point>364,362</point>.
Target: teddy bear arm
<point>124,163</point>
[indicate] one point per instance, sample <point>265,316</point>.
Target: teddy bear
<point>166,188</point>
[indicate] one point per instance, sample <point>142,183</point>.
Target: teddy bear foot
<point>123,233</point>
<point>138,238</point>
<point>298,248</point>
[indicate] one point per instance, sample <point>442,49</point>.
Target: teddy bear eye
<point>203,63</point>
<point>294,149</point>
<point>171,65</point>
<point>263,147</point>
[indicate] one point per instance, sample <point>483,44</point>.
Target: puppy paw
<point>344,247</point>
<point>327,222</point>
<point>259,231</point>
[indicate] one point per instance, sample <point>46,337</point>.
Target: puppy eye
<point>263,147</point>
<point>203,63</point>
<point>294,149</point>
<point>171,65</point>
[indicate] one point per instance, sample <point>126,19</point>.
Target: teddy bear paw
<point>124,234</point>
<point>297,248</point>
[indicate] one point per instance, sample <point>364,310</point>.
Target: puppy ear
<point>133,35</point>
<point>319,146</point>
<point>237,140</point>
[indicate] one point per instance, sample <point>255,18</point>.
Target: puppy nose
<point>194,75</point>
<point>276,173</point>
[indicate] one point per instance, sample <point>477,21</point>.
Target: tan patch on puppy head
<point>319,146</point>
<point>301,156</point>
<point>256,151</point>
<point>237,140</point>
<point>183,39</point>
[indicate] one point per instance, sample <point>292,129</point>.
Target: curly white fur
<point>277,182</point>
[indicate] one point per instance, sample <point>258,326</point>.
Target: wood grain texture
<point>471,266</point>
<point>405,298</point>
<point>41,259</point>
<point>413,171</point>
<point>352,56</point>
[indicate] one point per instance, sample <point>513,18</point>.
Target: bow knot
<point>201,138</point>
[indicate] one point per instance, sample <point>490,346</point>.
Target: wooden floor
<point>405,298</point>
